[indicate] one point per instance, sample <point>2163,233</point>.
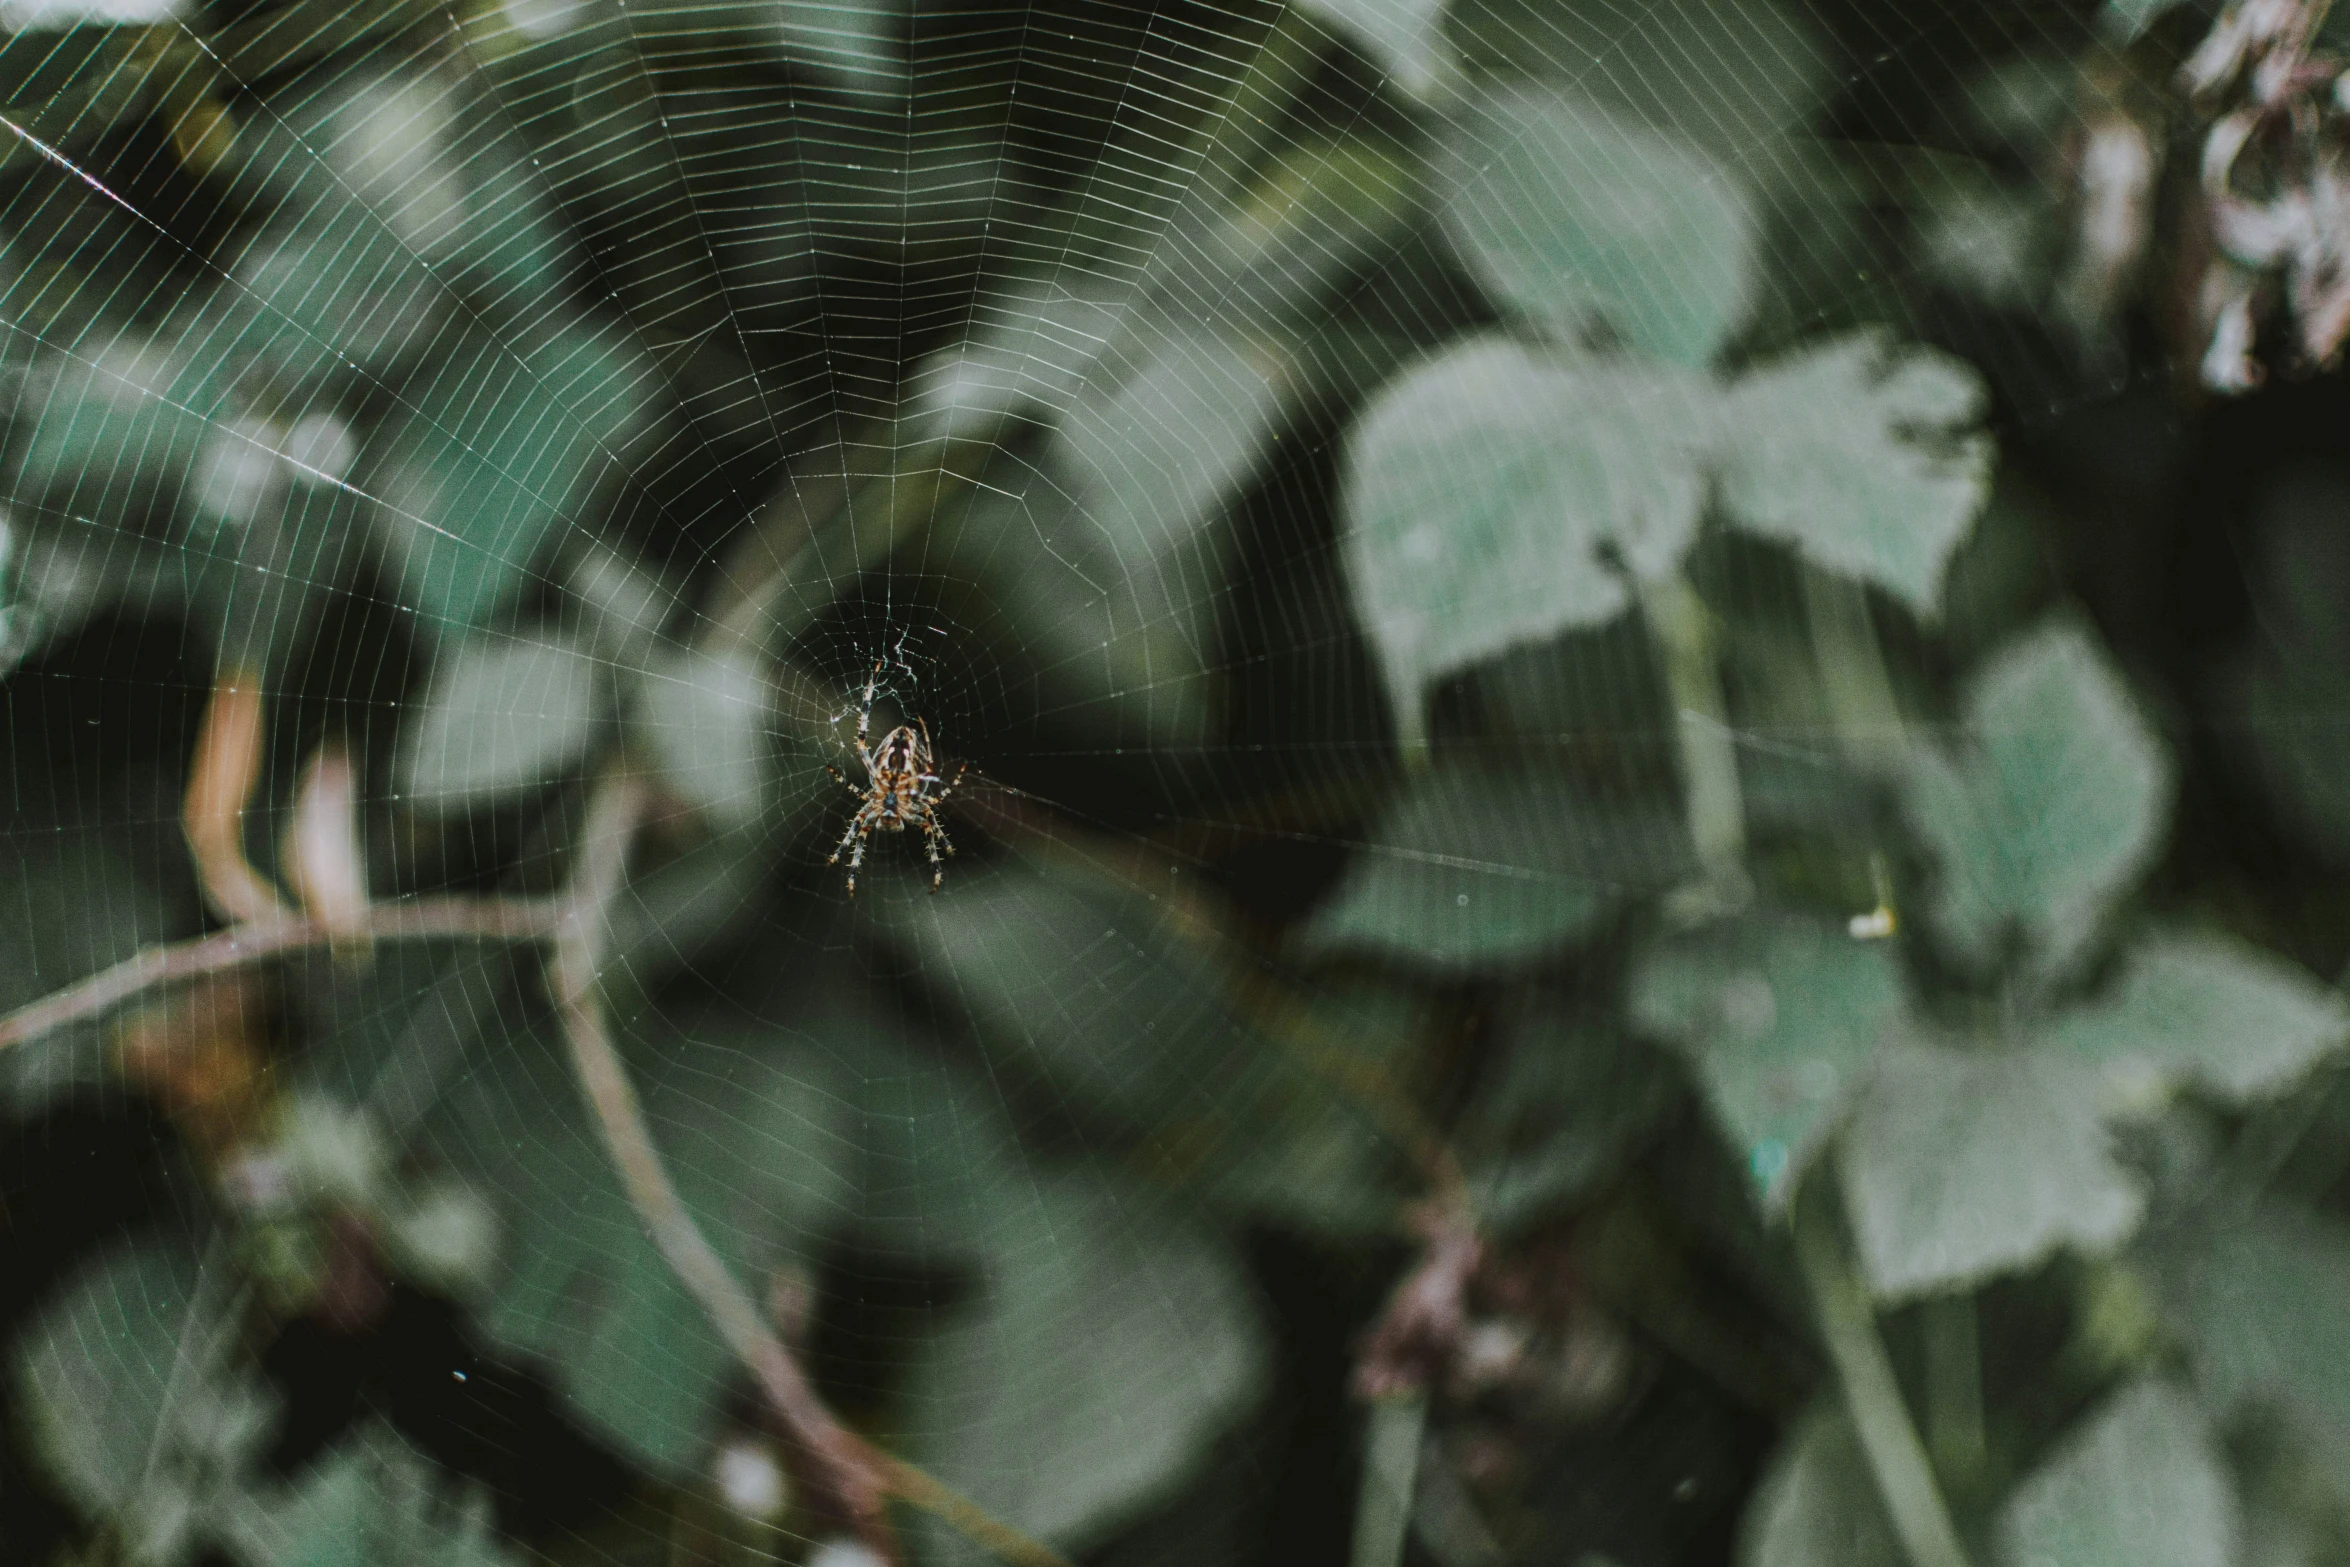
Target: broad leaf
<point>125,1386</point>
<point>1109,1347</point>
<point>1296,1140</point>
<point>2050,808</point>
<point>1735,79</point>
<point>1114,995</point>
<point>374,1501</point>
<point>426,159</point>
<point>1862,458</point>
<point>707,720</point>
<point>1316,215</point>
<point>1818,1503</point>
<point>1098,997</point>
<point>1781,1017</point>
<point>493,453</point>
<point>1493,496</point>
<point>1115,645</point>
<point>935,1146</point>
<point>508,714</point>
<point>1580,218</point>
<point>1406,37</point>
<point>71,902</point>
<point>1030,350</point>
<point>2139,1483</point>
<point>1961,1164</point>
<point>114,426</point>
<point>2264,1308</point>
<point>752,1130</point>
<point>2208,1009</point>
<point>1564,1107</point>
<point>1155,457</point>
<point>1470,869</point>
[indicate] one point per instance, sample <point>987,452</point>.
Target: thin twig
<point>220,783</point>
<point>1888,1438</point>
<point>846,1468</point>
<point>920,1488</point>
<point>857,1478</point>
<point>1391,1468</point>
<point>426,919</point>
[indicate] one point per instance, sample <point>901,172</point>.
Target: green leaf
<point>705,718</point>
<point>377,1502</point>
<point>1565,1106</point>
<point>95,1367</point>
<point>130,1401</point>
<point>855,44</point>
<point>2052,811</point>
<point>1110,1347</point>
<point>493,453</point>
<point>72,902</point>
<point>1470,869</point>
<point>1116,995</point>
<point>855,40</point>
<point>322,295</point>
<point>1293,1141</point>
<point>1031,348</point>
<point>1580,218</point>
<point>2263,1304</point>
<point>1961,1164</point>
<point>1156,457</point>
<point>1117,644</point>
<point>426,159</point>
<point>116,427</point>
<point>2139,1483</point>
<point>1818,1503</point>
<point>1861,458</point>
<point>1735,79</point>
<point>506,715</point>
<point>751,1125</point>
<point>1493,496</point>
<point>1406,38</point>
<point>1317,214</point>
<point>2205,1008</point>
<point>1781,1017</point>
<point>1103,999</point>
<point>935,1144</point>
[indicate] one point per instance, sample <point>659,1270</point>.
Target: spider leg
<point>940,798</point>
<point>934,838</point>
<point>865,708</point>
<point>852,843</point>
<point>845,784</point>
<point>856,859</point>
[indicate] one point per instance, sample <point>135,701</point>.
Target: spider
<point>898,790</point>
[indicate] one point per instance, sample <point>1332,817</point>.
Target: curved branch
<point>221,776</point>
<point>846,1466</point>
<point>426,919</point>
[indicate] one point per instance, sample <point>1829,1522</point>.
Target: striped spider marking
<point>901,789</point>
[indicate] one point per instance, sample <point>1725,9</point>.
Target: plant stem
<point>1848,1324</point>
<point>1391,1469</point>
<point>427,919</point>
<point>1683,630</point>
<point>845,1468</point>
<point>854,1477</point>
<point>1954,1386</point>
<point>221,776</point>
<point>1851,661</point>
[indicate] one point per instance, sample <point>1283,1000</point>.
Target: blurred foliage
<point>1621,687</point>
